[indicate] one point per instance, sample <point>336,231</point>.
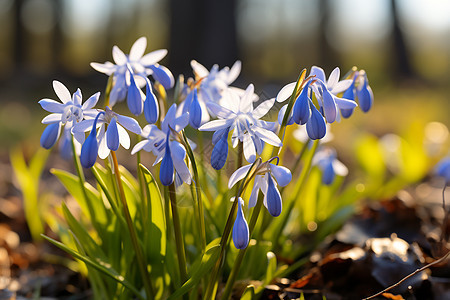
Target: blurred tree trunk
<point>19,35</point>
<point>401,65</point>
<point>328,58</point>
<point>202,30</point>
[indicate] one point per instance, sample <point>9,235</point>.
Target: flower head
<point>266,180</point>
<point>109,138</point>
<point>69,112</point>
<point>139,63</point>
<point>239,117</point>
<point>326,160</point>
<point>163,144</point>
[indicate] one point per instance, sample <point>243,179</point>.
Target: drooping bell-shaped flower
<point>220,152</point>
<point>241,233</point>
<point>50,135</point>
<point>134,96</point>
<point>301,111</point>
<point>326,160</point>
<point>166,169</point>
<point>315,127</point>
<point>273,198</point>
<point>365,95</point>
<point>65,145</point>
<point>89,150</point>
<point>112,135</point>
<point>151,107</point>
<point>163,76</point>
<point>281,114</point>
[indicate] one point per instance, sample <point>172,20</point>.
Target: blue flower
<point>326,160</point>
<point>140,64</point>
<point>89,149</point>
<point>163,76</point>
<point>192,105</point>
<point>115,135</point>
<point>151,107</point>
<point>68,113</point>
<point>239,117</point>
<point>365,94</point>
<point>443,169</point>
<point>134,96</point>
<point>350,95</point>
<point>301,111</point>
<point>241,233</point>
<point>315,127</point>
<point>169,152</point>
<point>266,180</point>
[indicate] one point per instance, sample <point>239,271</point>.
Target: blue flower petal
<point>315,127</point>
<point>151,109</point>
<point>134,99</point>
<point>50,135</point>
<point>365,97</point>
<point>220,152</point>
<point>241,233</point>
<point>112,135</point>
<point>301,111</point>
<point>65,145</point>
<point>195,111</point>
<point>166,168</point>
<point>89,150</point>
<point>328,173</point>
<point>273,197</point>
<point>163,76</point>
<point>350,95</point>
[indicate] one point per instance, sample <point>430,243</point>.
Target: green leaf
<point>157,225</point>
<point>101,266</point>
<point>28,179</point>
<point>249,293</point>
<point>199,270</point>
<point>94,208</point>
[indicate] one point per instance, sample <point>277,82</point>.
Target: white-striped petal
<point>61,91</point>
<point>139,146</point>
<point>267,136</point>
<point>255,191</point>
<point>249,149</point>
<point>263,108</point>
<point>238,175</point>
<point>107,68</point>
<point>52,118</point>
<point>285,92</point>
<point>51,105</point>
<point>138,49</point>
<point>119,57</point>
<point>153,57</point>
<point>318,72</point>
<point>215,125</point>
<point>199,70</point>
<point>219,110</point>
<point>129,123</point>
<point>341,86</point>
<point>345,103</point>
<point>234,72</point>
<point>91,102</point>
<point>124,138</point>
<point>334,78</point>
<point>178,154</point>
<point>246,102</point>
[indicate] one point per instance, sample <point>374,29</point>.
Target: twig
<point>424,267</point>
<point>409,276</point>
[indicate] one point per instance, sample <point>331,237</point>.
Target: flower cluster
<point>206,102</point>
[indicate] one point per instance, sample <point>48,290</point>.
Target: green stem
<point>197,190</point>
<point>237,263</point>
<point>228,226</point>
<point>142,264</point>
<point>301,181</point>
<point>178,234</point>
